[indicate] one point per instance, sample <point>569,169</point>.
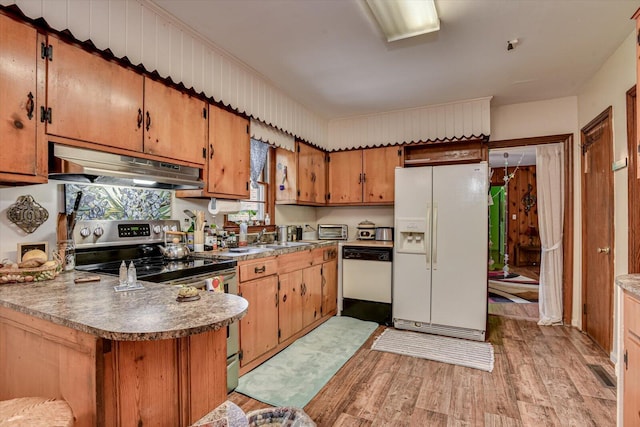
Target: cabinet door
<point>311,175</point>
<point>632,382</point>
<point>286,178</point>
<point>345,177</point>
<point>311,294</point>
<point>229,154</point>
<point>290,304</point>
<point>20,74</point>
<point>259,328</point>
<point>175,123</point>
<point>378,168</point>
<point>92,99</point>
<point>329,287</point>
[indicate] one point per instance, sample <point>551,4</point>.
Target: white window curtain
<point>258,159</point>
<point>550,187</point>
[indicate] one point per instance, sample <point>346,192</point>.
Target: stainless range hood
<point>89,166</point>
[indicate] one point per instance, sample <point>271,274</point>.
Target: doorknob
<point>604,250</point>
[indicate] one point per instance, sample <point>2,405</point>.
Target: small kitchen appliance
<point>366,230</point>
<point>333,232</point>
<point>384,234</point>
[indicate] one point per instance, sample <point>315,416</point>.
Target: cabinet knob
<point>18,124</point>
<point>604,250</point>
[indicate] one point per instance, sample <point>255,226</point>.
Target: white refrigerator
<point>440,250</point>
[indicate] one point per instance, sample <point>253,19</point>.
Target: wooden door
<point>290,304</point>
<point>286,183</point>
<point>175,123</point>
<point>329,287</point>
<point>229,155</point>
<point>20,77</point>
<point>311,294</point>
<point>259,328</point>
<point>311,175</point>
<point>631,392</point>
<point>345,177</point>
<point>379,166</point>
<point>597,230</point>
<point>92,99</point>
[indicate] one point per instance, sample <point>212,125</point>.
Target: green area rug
<point>296,374</point>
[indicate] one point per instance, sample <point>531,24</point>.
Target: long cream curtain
<point>550,188</point>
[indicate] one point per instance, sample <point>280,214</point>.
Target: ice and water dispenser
<point>412,235</point>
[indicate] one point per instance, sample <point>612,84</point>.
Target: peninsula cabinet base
<point>170,382</point>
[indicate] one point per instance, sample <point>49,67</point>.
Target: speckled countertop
<point>95,308</point>
<point>254,252</point>
<point>630,283</point>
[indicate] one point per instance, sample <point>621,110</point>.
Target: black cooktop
<point>152,268</point>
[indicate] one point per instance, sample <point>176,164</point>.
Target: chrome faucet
<point>261,235</point>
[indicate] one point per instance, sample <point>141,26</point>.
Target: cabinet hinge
<point>328,158</point>
<point>638,38</point>
<point>46,51</point>
<point>240,354</point>
<point>298,193</point>
<point>399,152</point>
<point>239,294</point>
<point>278,284</point>
<point>328,196</point>
<point>204,112</point>
<point>247,129</point>
<point>204,153</point>
<point>45,115</point>
<point>584,308</point>
<point>626,360</point>
<point>298,148</point>
<point>247,186</point>
<point>106,346</point>
<point>278,333</point>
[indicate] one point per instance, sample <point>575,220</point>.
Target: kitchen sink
<point>286,245</point>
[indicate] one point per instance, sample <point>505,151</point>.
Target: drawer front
<point>632,315</point>
<point>294,261</point>
<point>255,269</point>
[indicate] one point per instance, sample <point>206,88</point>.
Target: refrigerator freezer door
<point>412,269</point>
<point>459,283</point>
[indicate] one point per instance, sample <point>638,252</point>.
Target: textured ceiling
<point>330,56</point>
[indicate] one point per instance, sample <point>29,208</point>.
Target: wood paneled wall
<point>523,182</point>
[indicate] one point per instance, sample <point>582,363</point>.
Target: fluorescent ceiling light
<point>401,19</point>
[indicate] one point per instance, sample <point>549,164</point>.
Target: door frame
<point>633,184</point>
<point>568,227</point>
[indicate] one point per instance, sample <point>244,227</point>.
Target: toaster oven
<point>333,232</point>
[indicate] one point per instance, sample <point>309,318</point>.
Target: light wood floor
<point>540,379</point>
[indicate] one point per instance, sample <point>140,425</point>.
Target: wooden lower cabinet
<point>259,328</point>
<point>631,392</point>
<point>171,382</point>
<point>305,288</point>
<point>329,287</point>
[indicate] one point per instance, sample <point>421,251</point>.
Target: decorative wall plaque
<point>27,214</point>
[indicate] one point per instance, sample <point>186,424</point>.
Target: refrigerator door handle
<point>427,238</point>
<point>434,239</point>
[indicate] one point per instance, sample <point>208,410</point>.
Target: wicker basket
<point>26,275</point>
<point>35,412</point>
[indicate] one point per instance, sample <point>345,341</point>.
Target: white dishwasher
<point>366,277</point>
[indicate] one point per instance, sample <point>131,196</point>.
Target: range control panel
<point>122,232</point>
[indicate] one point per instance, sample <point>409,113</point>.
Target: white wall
<point>50,196</point>
<point>608,88</point>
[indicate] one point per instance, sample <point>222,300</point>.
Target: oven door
<point>230,282</point>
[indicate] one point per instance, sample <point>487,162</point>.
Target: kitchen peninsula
<point>118,358</point>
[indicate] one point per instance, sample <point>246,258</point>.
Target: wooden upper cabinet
<point>229,155</point>
<point>378,169</point>
<point>286,182</point>
<point>345,177</point>
<point>311,175</point>
<point>175,124</point>
<point>363,176</point>
<point>92,99</point>
<point>22,148</point>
